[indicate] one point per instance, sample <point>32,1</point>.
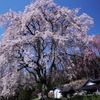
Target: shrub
<point>87,97</point>
<point>25,94</point>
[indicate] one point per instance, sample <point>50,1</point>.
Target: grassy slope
<point>76,84</point>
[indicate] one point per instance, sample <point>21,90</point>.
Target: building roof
<point>60,88</point>
<point>67,89</point>
<point>89,85</point>
<point>88,82</point>
<point>96,80</point>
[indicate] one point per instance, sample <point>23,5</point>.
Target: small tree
<point>39,40</point>
<point>93,55</point>
<point>87,62</point>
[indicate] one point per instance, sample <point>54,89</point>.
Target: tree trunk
<point>45,91</point>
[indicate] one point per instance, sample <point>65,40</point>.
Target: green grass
<point>88,97</point>
<point>35,99</point>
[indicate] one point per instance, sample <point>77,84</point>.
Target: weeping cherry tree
<point>39,41</point>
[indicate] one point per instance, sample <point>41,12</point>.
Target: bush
<point>88,97</point>
<point>25,94</point>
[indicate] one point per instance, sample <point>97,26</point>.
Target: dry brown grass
<point>76,84</point>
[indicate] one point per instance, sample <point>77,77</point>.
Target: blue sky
<point>91,7</point>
